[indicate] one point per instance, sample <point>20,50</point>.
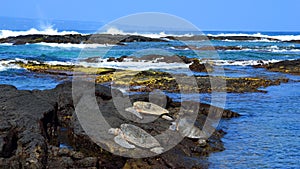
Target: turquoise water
<point>265,136</point>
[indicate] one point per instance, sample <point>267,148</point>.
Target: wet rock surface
<point>147,81</point>
<point>39,129</point>
<point>148,58</point>
<point>287,66</point>
<point>196,66</point>
<point>203,38</point>
<point>78,39</point>
<point>123,39</point>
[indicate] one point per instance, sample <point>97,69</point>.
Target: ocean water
<point>265,136</point>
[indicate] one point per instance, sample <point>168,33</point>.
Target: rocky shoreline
<point>287,66</point>
<point>149,80</point>
<point>35,125</point>
<point>121,39</point>
<point>78,39</point>
<point>39,129</point>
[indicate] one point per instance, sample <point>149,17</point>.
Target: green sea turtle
<point>148,108</point>
<point>185,127</point>
<point>129,135</point>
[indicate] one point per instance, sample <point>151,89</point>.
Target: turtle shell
<point>138,136</point>
<point>149,108</point>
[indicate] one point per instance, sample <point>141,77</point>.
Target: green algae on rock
<point>63,69</point>
<point>146,81</point>
<point>287,66</point>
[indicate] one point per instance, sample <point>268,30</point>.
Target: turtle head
<point>114,131</point>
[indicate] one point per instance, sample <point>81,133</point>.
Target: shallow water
<point>268,133</point>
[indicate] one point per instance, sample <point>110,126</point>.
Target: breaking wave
<point>46,31</point>
<point>278,37</point>
<point>116,31</point>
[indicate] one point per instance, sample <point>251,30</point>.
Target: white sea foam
<point>284,50</point>
<point>278,37</point>
<point>49,30</point>
<point>116,31</point>
<point>260,40</point>
<point>6,44</point>
<point>274,48</point>
<point>9,64</point>
<point>32,31</point>
<point>71,45</point>
<point>59,63</point>
<point>243,62</point>
<point>128,64</point>
<point>173,48</point>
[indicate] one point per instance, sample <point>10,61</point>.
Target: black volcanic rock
<point>287,66</point>
<point>78,38</point>
<point>196,66</point>
<point>23,39</point>
<point>31,123</point>
<point>293,41</point>
<point>203,38</point>
<point>23,133</point>
<point>122,39</point>
<point>136,38</point>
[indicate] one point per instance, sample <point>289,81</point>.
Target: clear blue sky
<point>257,15</point>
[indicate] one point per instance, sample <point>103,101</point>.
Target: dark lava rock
<point>149,58</point>
<point>287,66</point>
<point>25,120</point>
<point>31,132</point>
<point>95,59</point>
<point>167,59</point>
<point>121,59</point>
<point>196,66</point>
<point>203,38</point>
<point>23,39</point>
<point>136,38</point>
<point>111,59</point>
<point>78,38</point>
<point>293,41</point>
<point>122,39</point>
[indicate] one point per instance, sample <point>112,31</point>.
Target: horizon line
<point>201,30</point>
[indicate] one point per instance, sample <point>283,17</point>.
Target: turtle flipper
<point>134,111</point>
<point>167,117</point>
<point>157,150</point>
<point>122,142</point>
<point>195,132</point>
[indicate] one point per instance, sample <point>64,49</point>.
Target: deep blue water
<point>266,136</point>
